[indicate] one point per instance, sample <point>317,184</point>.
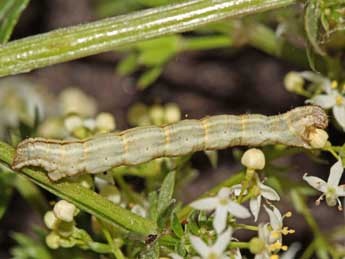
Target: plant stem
<point>104,35</point>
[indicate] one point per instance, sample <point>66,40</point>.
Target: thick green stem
<point>84,40</point>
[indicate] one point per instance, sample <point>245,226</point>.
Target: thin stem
<point>115,250</point>
<point>247,227</point>
<point>105,35</point>
<point>239,245</point>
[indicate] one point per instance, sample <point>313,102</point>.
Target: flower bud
<point>157,114</point>
<point>105,122</point>
<point>172,113</point>
<point>256,245</point>
<point>65,211</point>
<point>74,100</point>
<point>318,138</point>
<point>72,123</point>
<point>53,240</point>
<point>293,82</point>
<point>253,159</point>
<point>50,220</point>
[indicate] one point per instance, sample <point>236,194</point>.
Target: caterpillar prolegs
<point>141,144</point>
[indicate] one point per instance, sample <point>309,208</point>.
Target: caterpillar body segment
<point>141,144</point>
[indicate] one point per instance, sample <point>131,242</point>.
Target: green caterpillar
<point>141,144</point>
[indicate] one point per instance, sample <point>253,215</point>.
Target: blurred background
<point>220,80</point>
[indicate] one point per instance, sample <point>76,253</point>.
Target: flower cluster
<point>227,209</point>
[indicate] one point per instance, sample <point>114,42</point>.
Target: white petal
<point>175,256</point>
<point>339,114</point>
<point>268,192</point>
<point>335,173</point>
<point>220,217</point>
<point>340,190</point>
<point>236,189</point>
<point>224,193</point>
<point>199,246</point>
<point>323,100</point>
<point>205,204</point>
<point>291,253</point>
<point>255,205</point>
<point>276,219</point>
<point>237,254</point>
<point>222,242</point>
<point>316,182</point>
<point>317,79</point>
<point>238,210</point>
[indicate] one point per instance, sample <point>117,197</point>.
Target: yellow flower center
<point>339,100</point>
<point>212,255</point>
<point>334,84</point>
<point>224,201</point>
<point>274,257</point>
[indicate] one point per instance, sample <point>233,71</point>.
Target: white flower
<point>223,205</point>
<point>215,251</point>
<point>255,203</point>
<point>276,223</point>
<point>331,189</point>
<point>270,234</point>
<point>264,235</point>
<point>332,99</point>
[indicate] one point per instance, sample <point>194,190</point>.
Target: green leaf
<point>166,192</point>
<point>176,226</point>
<point>31,193</point>
<point>312,25</point>
<point>84,198</point>
<point>149,77</point>
<point>153,201</point>
<point>28,248</point>
<point>6,186</point>
<point>10,11</point>
<point>127,65</point>
<point>158,51</point>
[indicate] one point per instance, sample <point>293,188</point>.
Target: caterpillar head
<point>307,121</point>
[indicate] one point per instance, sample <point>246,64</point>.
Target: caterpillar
<point>141,144</point>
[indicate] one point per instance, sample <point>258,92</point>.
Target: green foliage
<point>148,222</point>
<point>28,248</point>
<point>10,11</point>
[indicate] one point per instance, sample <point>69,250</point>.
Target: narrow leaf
<point>10,11</point>
<point>312,25</point>
<point>166,192</point>
<point>176,226</point>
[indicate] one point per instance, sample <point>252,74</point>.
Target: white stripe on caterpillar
<point>141,144</point>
